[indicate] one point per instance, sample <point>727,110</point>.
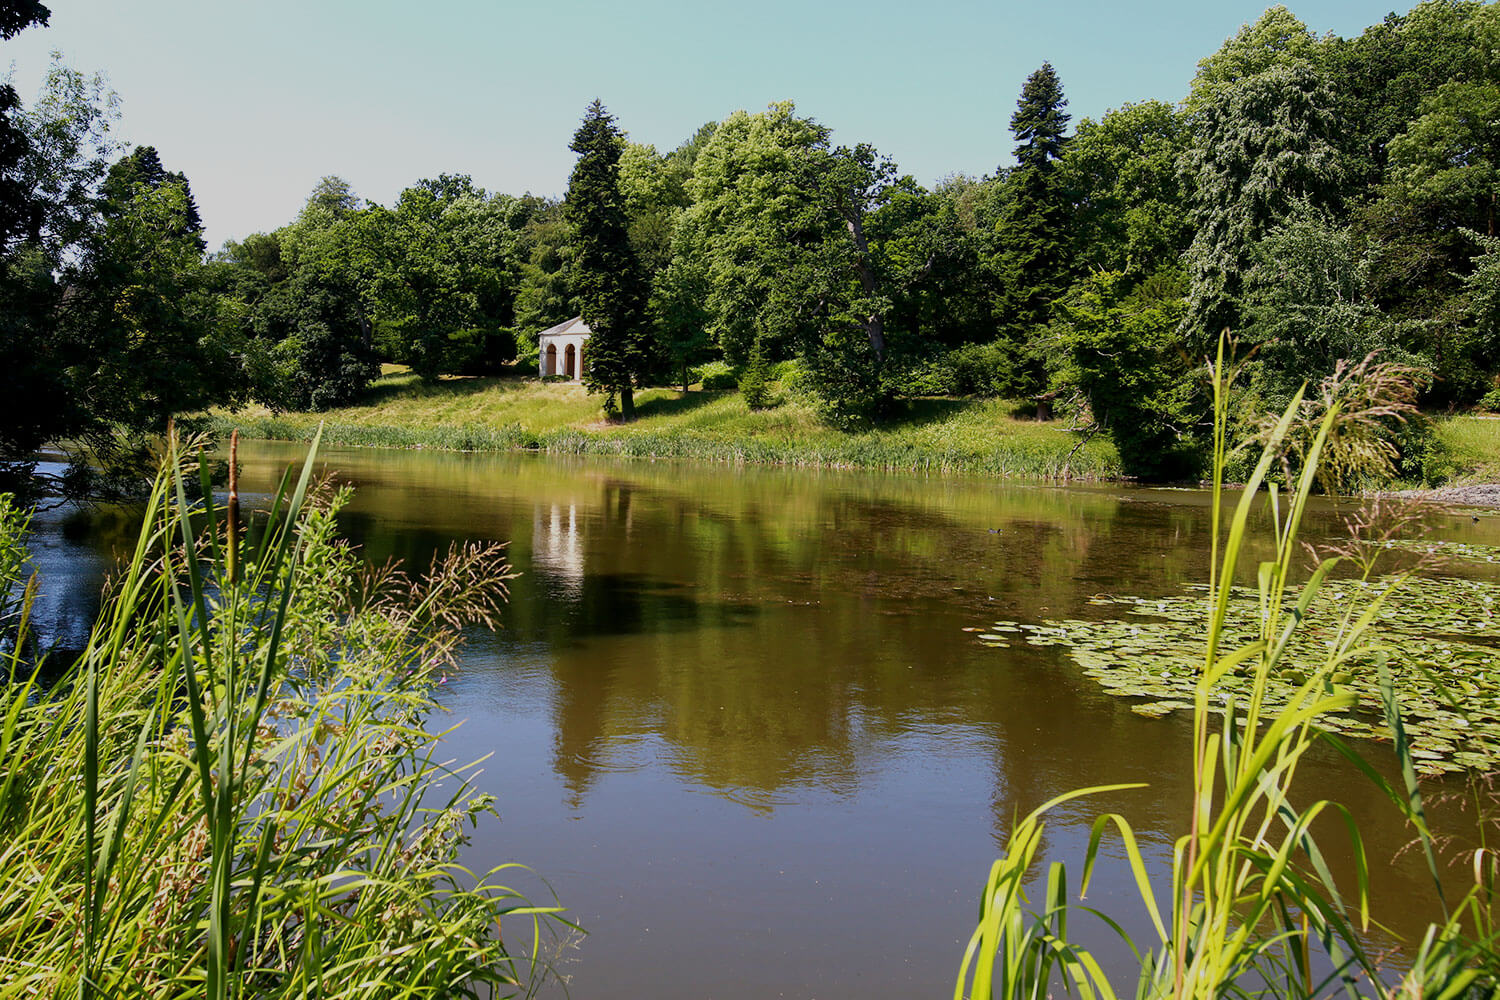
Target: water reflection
<point>556,546</point>
<point>735,717</point>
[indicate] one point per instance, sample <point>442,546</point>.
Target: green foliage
<point>156,340</point>
<point>845,377</point>
<point>321,355</point>
<point>1277,38</point>
<point>984,370</point>
<point>109,324</point>
<point>545,295</point>
<point>755,384</point>
<point>52,158</point>
<point>1431,229</point>
<point>754,205</point>
<point>1118,343</point>
<point>1307,305</point>
<point>681,316</point>
<point>655,191</point>
<point>889,273</point>
<point>1033,235</point>
<point>1382,77</point>
<point>1263,148</point>
<point>1441,159</point>
<point>447,269</point>
<point>143,167</point>
<point>716,376</point>
<point>607,277</point>
<point>1121,173</point>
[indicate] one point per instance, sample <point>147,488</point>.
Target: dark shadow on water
<point>680,402</point>
<point>634,604</point>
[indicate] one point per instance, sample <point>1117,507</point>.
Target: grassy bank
<point>979,437</point>
<point>1471,448</point>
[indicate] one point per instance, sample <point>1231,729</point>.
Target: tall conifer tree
<point>611,288</point>
<point>143,166</point>
<point>1032,235</point>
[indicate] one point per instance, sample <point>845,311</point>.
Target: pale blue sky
<point>256,101</point>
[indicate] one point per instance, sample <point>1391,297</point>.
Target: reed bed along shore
<point>940,436</point>
<point>1249,907</point>
<point>235,790</point>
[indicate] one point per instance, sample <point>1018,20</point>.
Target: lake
<point>735,721</point>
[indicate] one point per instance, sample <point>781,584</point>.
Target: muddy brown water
<point>734,720</point>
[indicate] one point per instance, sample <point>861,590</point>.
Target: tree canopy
<point>1317,196</point>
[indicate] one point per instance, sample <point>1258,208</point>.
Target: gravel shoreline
<point>1473,495</point>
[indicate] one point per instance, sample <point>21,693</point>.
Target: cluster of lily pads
<point>1442,636</point>
<point>1446,550</point>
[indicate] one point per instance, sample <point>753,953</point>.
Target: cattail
<point>232,509</point>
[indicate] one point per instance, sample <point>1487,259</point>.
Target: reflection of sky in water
<point>71,559</point>
<point>68,594</point>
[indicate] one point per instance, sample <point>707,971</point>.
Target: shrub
<point>985,369</point>
<point>716,376</point>
<point>483,350</point>
<point>755,383</point>
<point>934,377</point>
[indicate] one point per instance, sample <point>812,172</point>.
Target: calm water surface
<point>734,719</point>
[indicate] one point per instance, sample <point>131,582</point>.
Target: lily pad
<point>1441,637</point>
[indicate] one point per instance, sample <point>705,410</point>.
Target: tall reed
<point>1254,909</point>
<point>234,792</point>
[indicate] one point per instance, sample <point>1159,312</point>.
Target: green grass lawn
<point>963,436</point>
<point>493,414</point>
<point>1471,446</point>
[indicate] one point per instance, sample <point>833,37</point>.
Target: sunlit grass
<point>1472,447</point>
<point>980,437</point>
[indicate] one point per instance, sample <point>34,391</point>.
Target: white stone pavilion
<point>562,349</point>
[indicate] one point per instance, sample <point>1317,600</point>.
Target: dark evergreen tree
<point>1040,121</point>
<point>143,166</point>
<point>1032,235</point>
<point>607,277</point>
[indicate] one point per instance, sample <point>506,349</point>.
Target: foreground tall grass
<point>234,791</point>
<point>1254,910</point>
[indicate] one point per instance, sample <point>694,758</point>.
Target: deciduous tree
<point>1263,147</point>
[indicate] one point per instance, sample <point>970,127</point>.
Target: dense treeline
<point>1319,197</point>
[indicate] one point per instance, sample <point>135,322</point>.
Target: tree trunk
<point>627,403</point>
<point>874,323</point>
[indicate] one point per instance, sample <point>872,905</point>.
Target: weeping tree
<point>1264,149</point>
